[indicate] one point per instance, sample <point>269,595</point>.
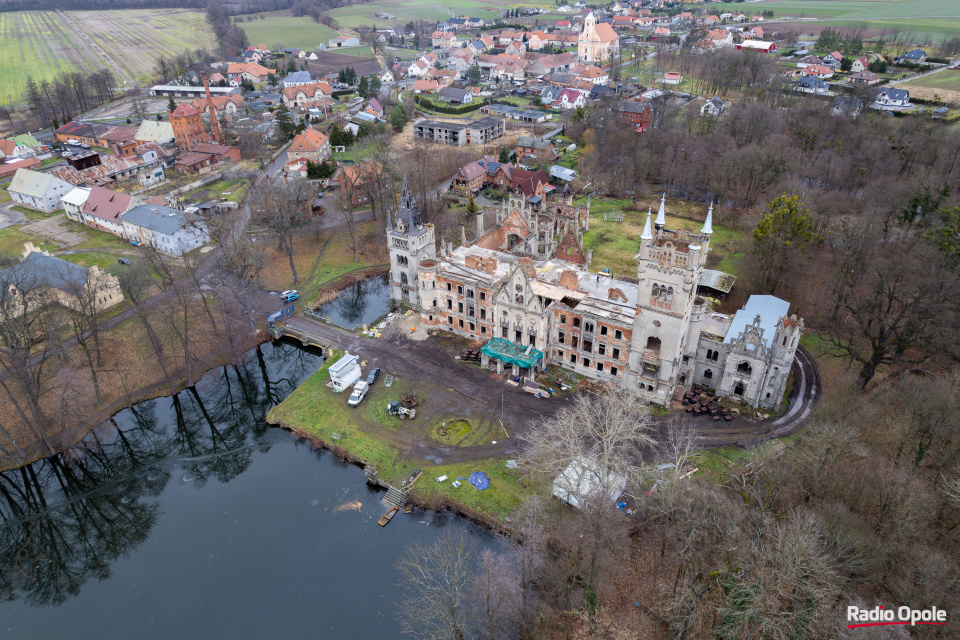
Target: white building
<point>38,191</point>
<point>73,202</point>
<point>170,230</point>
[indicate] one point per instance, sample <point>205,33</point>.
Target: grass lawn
<point>290,31</point>
<point>12,241</point>
<point>90,258</point>
<point>96,239</point>
<point>368,433</point>
<point>354,16</point>
<point>948,80</point>
<point>615,244</point>
<point>232,190</point>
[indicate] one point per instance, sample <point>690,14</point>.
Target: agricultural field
<point>406,10</point>
<point>290,31</point>
<point>944,86</point>
<point>41,45</point>
<point>921,17</point>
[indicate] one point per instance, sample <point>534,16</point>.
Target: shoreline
<point>169,386</point>
<point>437,504</point>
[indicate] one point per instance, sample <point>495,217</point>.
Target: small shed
<point>715,284</point>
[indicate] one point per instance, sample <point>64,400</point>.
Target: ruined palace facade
<point>526,280</point>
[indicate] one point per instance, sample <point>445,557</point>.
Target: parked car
<point>67,154</point>
<point>373,375</point>
<point>359,393</point>
<point>74,142</point>
<point>123,260</point>
<point>84,145</point>
<point>290,295</point>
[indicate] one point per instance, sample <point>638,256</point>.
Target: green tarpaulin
<point>511,353</point>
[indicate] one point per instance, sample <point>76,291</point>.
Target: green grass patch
<point>89,258</point>
<point>12,241</point>
<point>369,433</point>
<point>34,215</point>
<point>96,239</point>
<point>290,31</point>
<point>948,80</point>
<point>615,244</point>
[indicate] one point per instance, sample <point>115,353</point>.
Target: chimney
<point>214,123</point>
<point>479,223</point>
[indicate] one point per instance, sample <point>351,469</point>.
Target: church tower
<point>410,242</point>
<point>666,328</point>
<point>588,41</point>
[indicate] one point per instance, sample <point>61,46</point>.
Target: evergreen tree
<point>375,85</point>
<point>364,88</point>
<point>398,117</point>
<point>473,74</point>
<point>284,121</point>
<point>504,156</point>
<point>416,41</point>
<point>171,105</point>
<point>342,76</point>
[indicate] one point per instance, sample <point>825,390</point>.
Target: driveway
<point>9,217</point>
<point>476,389</point>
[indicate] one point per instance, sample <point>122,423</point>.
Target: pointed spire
<point>661,220</point>
<point>708,223</point>
<point>389,221</point>
<point>647,234</point>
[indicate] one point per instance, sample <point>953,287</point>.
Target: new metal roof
<point>769,308</point>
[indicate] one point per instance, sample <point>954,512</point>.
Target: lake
<point>194,519</point>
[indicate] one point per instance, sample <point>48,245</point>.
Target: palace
<point>524,287</point>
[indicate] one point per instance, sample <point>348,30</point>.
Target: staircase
<point>678,392</point>
<point>394,498</point>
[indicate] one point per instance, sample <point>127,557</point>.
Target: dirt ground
<point>54,230</point>
<point>124,108</point>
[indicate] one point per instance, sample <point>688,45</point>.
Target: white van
<point>359,393</point>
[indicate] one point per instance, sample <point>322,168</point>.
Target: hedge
<point>464,108</point>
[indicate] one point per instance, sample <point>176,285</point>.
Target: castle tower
<point>663,345</point>
<point>411,243</point>
<point>187,125</point>
<point>214,123</point>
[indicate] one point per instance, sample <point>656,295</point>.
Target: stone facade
<point>527,280</point>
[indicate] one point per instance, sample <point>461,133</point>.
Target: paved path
<point>433,361</point>
<point>9,217</point>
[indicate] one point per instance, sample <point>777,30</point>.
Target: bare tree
<point>679,442</point>
<point>436,581</point>
<point>136,282</point>
<point>284,210</point>
<point>607,429</point>
<point>85,315</point>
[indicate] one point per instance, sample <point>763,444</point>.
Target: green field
<point>40,43</point>
<point>291,32</point>
<point>862,9</point>
<point>947,80</point>
<point>406,10</point>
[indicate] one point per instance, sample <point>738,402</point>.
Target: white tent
<point>584,479</point>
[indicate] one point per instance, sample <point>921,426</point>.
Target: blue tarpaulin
<point>480,480</point>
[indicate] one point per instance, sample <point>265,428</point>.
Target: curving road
<point>471,389</point>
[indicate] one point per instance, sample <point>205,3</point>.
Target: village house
<point>860,64</point>
<point>306,95</point>
<point>538,149</point>
<point>569,99</point>
<point>222,105</point>
<point>455,96</point>
<point>915,56</point>
<point>890,97</point>
<point>8,169</point>
<point>169,230</point>
<point>817,71</point>
<point>713,107</point>
<point>309,144</point>
<point>250,71</point>
<point>833,59</point>
<point>37,191</point>
<point>42,279</point>
<point>206,155</point>
<point>103,207</point>
<point>73,201</point>
<point>425,86</point>
<point>864,78</point>
<point>296,79</point>
<point>638,114</point>
<point>811,84</point>
<point>353,180</point>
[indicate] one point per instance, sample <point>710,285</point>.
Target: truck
<point>359,393</point>
<point>344,372</point>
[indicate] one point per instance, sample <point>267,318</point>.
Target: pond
<point>363,302</point>
<point>195,519</point>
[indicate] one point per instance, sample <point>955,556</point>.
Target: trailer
<point>344,372</point>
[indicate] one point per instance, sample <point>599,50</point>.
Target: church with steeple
<point>524,288</point>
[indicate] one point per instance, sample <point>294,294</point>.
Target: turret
<point>661,220</point>
<point>708,223</point>
<point>646,236</point>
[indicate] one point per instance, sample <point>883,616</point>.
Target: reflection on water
<point>361,303</point>
<point>192,518</point>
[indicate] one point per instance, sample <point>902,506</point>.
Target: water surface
<point>194,519</point>
<point>363,302</point>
